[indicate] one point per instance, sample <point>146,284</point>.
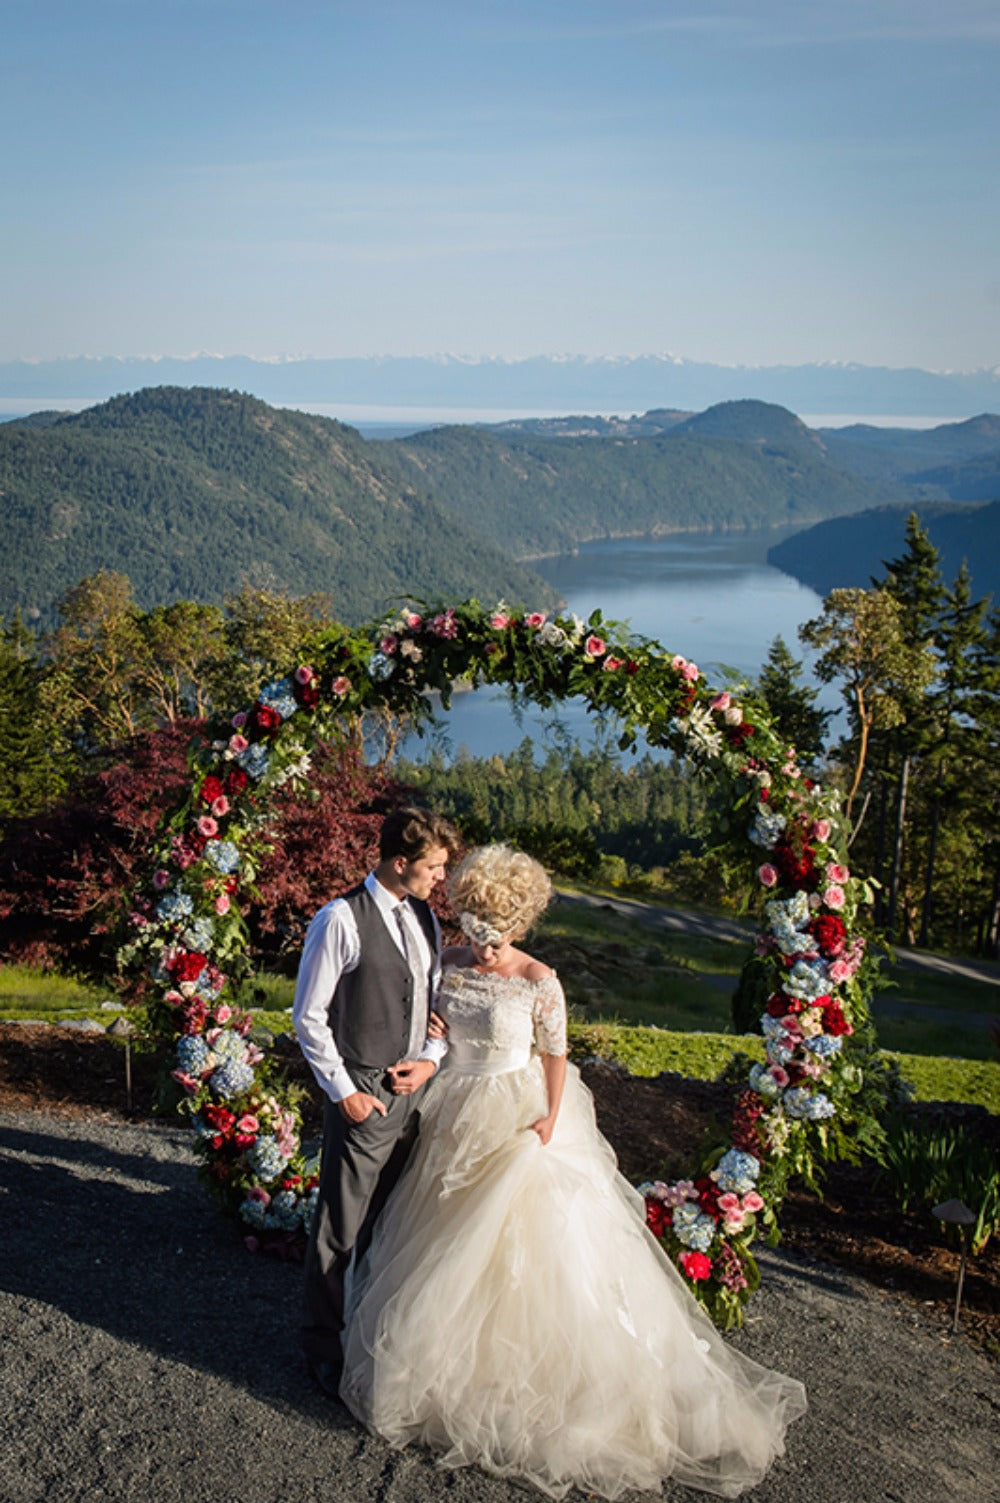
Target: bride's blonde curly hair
<point>505,888</point>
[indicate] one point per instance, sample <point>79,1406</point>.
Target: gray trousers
<point>361,1163</point>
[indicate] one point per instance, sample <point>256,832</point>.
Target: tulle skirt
<point>515,1313</point>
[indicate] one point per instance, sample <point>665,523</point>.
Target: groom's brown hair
<point>412,832</point>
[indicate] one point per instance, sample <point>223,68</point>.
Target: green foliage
<point>925,1164</point>
<point>192,493</point>
<point>571,809</point>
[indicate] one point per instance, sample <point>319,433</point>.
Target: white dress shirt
<point>331,949</point>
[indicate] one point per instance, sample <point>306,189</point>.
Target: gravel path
<point>144,1356</point>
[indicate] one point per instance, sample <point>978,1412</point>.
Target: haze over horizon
<point>796,185</point>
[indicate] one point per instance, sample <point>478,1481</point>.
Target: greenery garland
<point>782,831</point>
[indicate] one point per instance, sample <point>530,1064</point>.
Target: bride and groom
<point>506,1306</point>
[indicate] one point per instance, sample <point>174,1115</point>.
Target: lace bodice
<point>494,1020</point>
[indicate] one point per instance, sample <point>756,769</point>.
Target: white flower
<point>552,635</point>
<point>701,730</point>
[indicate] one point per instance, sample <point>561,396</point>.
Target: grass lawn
<point>650,998</point>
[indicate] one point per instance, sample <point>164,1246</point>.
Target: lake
<point>712,597</point>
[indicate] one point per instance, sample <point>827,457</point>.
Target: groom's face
<point>419,877</point>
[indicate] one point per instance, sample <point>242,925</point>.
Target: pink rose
<point>412,620</point>
<point>535,619</point>
<point>834,896</point>
<point>247,1123</point>
<point>498,621</point>
<point>594,647</point>
<point>208,827</point>
<point>821,829</point>
<point>720,702</point>
<point>729,1203</point>
<point>690,671</point>
<point>220,806</point>
<point>837,873</point>
<point>678,662</point>
<point>840,971</point>
<point>238,743</point>
<point>768,874</point>
<point>223,1012</point>
<point>304,674</point>
<point>341,684</point>
<point>752,1202</point>
<point>389,644</point>
<point>779,1075</point>
<point>187,1081</point>
<point>611,665</point>
<point>161,879</point>
<point>222,904</point>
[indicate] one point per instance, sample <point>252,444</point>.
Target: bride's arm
<point>550,1040</point>
<point>554,1066</point>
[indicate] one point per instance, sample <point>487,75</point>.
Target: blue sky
<point>737,182</point>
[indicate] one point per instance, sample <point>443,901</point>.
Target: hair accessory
<point>479,930</point>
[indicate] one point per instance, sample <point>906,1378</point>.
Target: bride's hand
<point>437,1028</point>
<point>544,1127</point>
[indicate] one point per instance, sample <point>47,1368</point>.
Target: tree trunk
<point>897,849</point>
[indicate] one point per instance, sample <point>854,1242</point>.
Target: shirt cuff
<point>339,1085</point>
<point>434,1050</point>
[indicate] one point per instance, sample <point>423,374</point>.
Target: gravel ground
<point>145,1356</point>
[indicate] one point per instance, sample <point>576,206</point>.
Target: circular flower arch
<point>784,833</point>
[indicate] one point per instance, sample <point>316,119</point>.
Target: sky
<point>748,182</point>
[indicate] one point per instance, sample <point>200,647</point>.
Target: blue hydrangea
<point>779,1053</point>
<point>230,1045</point>
<point>693,1227</point>
<point>788,918</point>
<point>279,696</point>
<point>763,1082</point>
<point>266,1159</point>
<point>255,1213</point>
<point>381,667</point>
<point>198,934</point>
<point>174,906</point>
<point>223,855</point>
<point>736,1171</point>
<point>231,1079</point>
<point>807,980</point>
<point>808,1106</point>
<point>286,1210</point>
<point>192,1054</point>
<point>255,760</point>
<point>825,1045</point>
<point>767,828</point>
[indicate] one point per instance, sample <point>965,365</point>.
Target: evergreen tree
<point>792,703</point>
<point>30,773</point>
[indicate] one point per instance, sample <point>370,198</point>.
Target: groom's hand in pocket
<point>359,1106</point>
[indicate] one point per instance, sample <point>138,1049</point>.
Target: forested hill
<point>852,551</point>
<point>191,492</point>
<point>742,464</point>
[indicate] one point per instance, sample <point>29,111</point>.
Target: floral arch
<point>784,832</point>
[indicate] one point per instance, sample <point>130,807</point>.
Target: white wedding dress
<point>515,1313</point>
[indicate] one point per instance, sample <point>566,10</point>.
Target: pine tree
<point>792,703</point>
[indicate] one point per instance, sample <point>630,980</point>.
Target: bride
<point>513,1311</point>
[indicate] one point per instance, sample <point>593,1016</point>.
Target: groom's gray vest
<point>372,1007</point>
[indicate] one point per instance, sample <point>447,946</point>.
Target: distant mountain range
<point>544,383</point>
<point>193,491</point>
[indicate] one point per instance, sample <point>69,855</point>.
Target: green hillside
<point>193,491</point>
<point>728,468</point>
<point>851,551</point>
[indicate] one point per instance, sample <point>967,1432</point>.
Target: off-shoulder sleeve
<point>549,1016</point>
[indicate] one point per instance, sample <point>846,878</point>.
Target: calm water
<point>711,597</point>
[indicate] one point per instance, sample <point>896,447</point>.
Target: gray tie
<point>418,1018</point>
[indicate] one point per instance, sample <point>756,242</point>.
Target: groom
<point>369,974</point>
